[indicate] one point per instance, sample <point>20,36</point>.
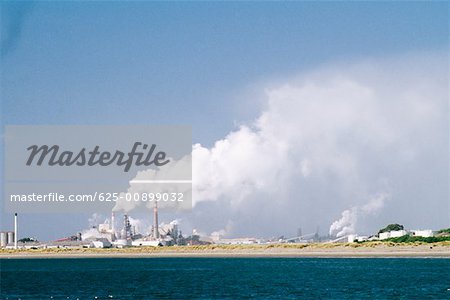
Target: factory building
<point>358,238</point>
<point>238,241</point>
<point>400,233</point>
<point>144,243</point>
<point>160,234</point>
<point>392,234</point>
<point>103,235</point>
<point>66,244</point>
<point>100,243</point>
<point>25,245</point>
<point>423,233</point>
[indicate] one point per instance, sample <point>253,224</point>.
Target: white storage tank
<point>10,237</point>
<point>3,239</point>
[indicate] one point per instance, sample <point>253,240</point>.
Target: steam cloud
<point>331,139</point>
<point>159,173</point>
<point>328,140</point>
<point>347,223</point>
<point>142,226</point>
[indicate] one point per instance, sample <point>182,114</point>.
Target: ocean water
<point>225,278</point>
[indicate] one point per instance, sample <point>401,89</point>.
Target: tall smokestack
<point>15,231</point>
<point>113,230</point>
<point>113,226</point>
<point>125,227</point>
<point>155,221</point>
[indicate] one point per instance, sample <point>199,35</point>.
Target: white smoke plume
<point>347,223</point>
<point>327,140</point>
<point>217,235</point>
<point>95,219</point>
<point>171,171</point>
<point>90,234</point>
<point>140,225</point>
<point>176,222</point>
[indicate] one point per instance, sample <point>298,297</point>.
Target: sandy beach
<point>282,250</point>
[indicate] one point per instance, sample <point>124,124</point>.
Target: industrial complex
<point>119,233</point>
<point>105,235</point>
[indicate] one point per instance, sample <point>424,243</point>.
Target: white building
<point>359,238</point>
<point>237,241</point>
<point>384,235</point>
<point>121,243</point>
<point>398,233</point>
<point>392,234</point>
<point>351,238</point>
<point>101,243</point>
<point>423,233</point>
<point>26,245</point>
<point>154,243</point>
<point>362,238</point>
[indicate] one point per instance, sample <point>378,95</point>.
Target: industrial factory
<point>104,235</point>
<point>120,232</point>
<point>108,235</point>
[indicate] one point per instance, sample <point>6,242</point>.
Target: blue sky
<point>114,63</point>
<point>187,63</point>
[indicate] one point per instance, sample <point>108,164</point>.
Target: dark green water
<point>225,278</point>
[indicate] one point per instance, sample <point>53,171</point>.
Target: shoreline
<point>229,255</point>
<point>312,251</point>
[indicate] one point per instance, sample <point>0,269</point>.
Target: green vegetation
<point>27,240</point>
<point>413,239</point>
<point>391,227</point>
<point>445,230</point>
